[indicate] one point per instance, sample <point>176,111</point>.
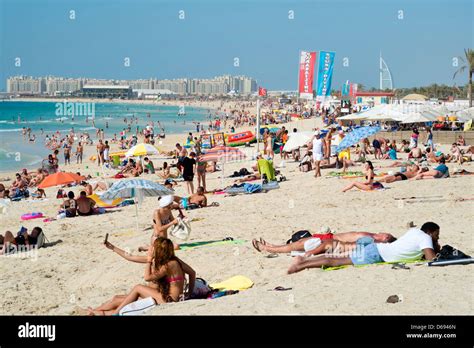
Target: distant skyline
<point>418,44</point>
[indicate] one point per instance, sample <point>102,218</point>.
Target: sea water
<point>45,118</point>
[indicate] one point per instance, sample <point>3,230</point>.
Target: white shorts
<point>317,156</point>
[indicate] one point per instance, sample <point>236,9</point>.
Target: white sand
<point>80,271</point>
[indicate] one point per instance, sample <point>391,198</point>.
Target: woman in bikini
<point>164,272</point>
<point>368,185</point>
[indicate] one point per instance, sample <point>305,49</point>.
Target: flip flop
<point>228,239</point>
<point>271,256</point>
<point>255,245</point>
<point>214,204</point>
<point>280,288</point>
<point>400,266</point>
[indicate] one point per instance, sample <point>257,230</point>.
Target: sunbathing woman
<point>9,243</point>
<point>336,241</point>
<point>368,185</point>
<point>441,171</point>
<point>409,174</point>
<point>165,274</point>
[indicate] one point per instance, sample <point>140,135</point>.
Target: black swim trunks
<point>402,176</point>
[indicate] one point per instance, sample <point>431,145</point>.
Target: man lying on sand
<point>441,171</point>
<point>341,241</point>
<point>410,247</point>
<point>166,277</point>
<point>411,172</point>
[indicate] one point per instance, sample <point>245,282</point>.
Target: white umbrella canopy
<point>353,117</point>
<point>384,112</point>
<point>297,140</point>
<point>417,117</point>
<point>465,115</point>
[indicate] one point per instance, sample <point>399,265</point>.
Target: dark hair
<point>428,149</point>
<point>83,193</point>
<point>371,166</point>
<point>192,154</point>
<point>442,160</point>
<point>38,229</point>
<point>177,144</point>
<point>165,165</point>
<point>429,227</point>
<point>70,195</point>
<point>145,159</point>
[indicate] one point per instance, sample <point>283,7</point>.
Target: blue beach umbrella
<point>357,135</point>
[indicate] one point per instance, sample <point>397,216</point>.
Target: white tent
<point>417,117</point>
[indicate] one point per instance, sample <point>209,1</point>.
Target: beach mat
<point>370,264</point>
<point>188,246</point>
<point>269,186</point>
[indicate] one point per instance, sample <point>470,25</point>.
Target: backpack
<point>448,253</point>
<point>299,235</point>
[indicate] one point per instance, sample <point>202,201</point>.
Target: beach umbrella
<point>357,135</point>
<point>142,150</point>
<point>137,189</point>
<point>60,178</point>
<point>222,154</point>
<point>417,117</point>
<point>297,140</point>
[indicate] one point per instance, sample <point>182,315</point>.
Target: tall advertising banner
<point>326,66</point>
<point>306,74</point>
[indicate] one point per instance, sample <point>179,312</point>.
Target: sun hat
<point>166,201</point>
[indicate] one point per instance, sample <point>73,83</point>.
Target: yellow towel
<point>235,283</point>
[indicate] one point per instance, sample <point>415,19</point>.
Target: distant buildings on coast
<point>127,89</point>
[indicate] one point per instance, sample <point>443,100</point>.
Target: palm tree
<point>469,53</point>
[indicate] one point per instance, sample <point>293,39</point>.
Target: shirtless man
<point>19,183</point>
<point>198,199</point>
<point>432,156</point>
<point>342,242</point>
<point>415,153</point>
<point>181,154</point>
<point>84,205</point>
<point>412,171</point>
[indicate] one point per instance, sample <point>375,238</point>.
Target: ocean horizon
<point>45,118</point>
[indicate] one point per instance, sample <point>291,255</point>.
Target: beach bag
<point>305,167</point>
<point>299,235</point>
<point>138,307</point>
<point>181,230</point>
<point>201,289</point>
<point>448,253</point>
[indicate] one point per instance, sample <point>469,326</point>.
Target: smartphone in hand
<point>106,238</point>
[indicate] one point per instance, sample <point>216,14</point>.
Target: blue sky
<point>419,48</point>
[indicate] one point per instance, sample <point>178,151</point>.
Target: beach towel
<point>265,167</point>
<point>189,246</point>
<point>236,189</point>
<point>235,283</point>
<point>370,264</point>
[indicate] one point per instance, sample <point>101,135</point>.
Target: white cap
<point>317,133</point>
<point>324,230</point>
<point>166,201</point>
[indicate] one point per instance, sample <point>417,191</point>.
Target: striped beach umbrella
<point>135,188</point>
<point>355,136</point>
<point>222,154</point>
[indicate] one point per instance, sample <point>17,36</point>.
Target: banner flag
<point>306,74</point>
<point>262,92</point>
<point>326,67</point>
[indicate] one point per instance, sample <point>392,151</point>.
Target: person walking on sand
<point>100,152</point>
<point>79,153</point>
<point>318,153</point>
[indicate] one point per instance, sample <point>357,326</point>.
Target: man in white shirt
<point>411,246</point>
<point>318,153</point>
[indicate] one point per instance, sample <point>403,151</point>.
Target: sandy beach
<point>78,271</point>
